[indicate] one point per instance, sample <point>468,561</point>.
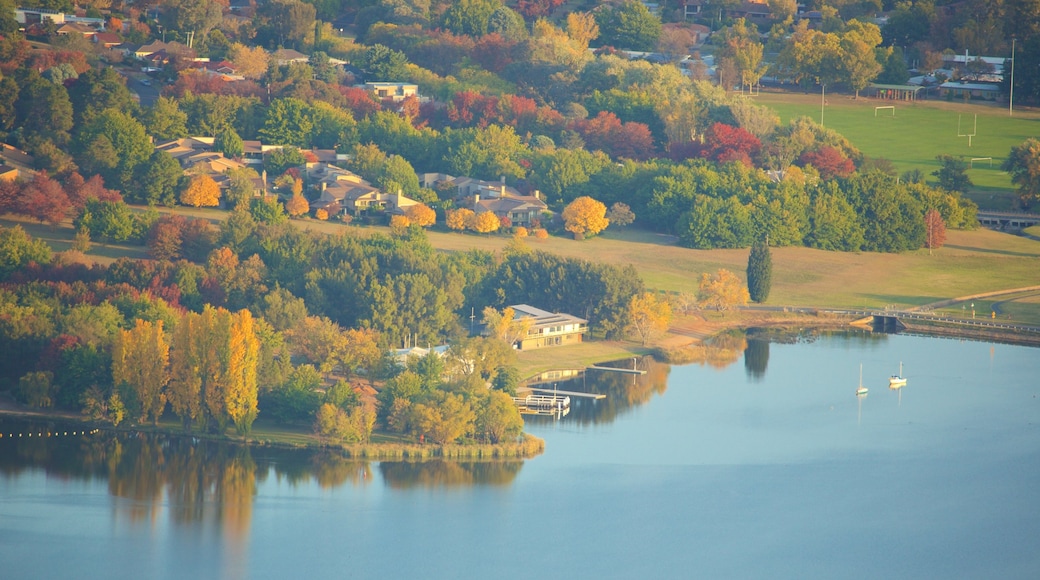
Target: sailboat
<point>896,381</point>
<point>861,390</point>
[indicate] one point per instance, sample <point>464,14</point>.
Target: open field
<point>920,131</point>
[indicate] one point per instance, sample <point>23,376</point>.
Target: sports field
<point>918,132</point>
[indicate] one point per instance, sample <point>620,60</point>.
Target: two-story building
<point>548,328</point>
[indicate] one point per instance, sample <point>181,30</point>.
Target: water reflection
<point>436,473</point>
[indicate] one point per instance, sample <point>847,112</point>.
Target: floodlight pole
<point>1011,87</point>
<point>823,100</point>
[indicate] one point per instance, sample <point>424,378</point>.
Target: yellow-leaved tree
<point>648,315</point>
<point>504,325</point>
<point>485,223</point>
<point>421,215</point>
<point>201,191</point>
<point>585,217</point>
<point>722,290</point>
<point>185,387</point>
<point>458,219</point>
<point>242,357</point>
<point>399,223</point>
<point>139,360</point>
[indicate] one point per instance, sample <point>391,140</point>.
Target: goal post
<point>884,108</point>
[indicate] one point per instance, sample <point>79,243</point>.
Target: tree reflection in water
<point>437,473</point>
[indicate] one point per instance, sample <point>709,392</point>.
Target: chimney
<point>476,199</point>
<point>503,194</point>
<point>537,194</point>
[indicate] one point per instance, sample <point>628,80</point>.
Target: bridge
<point>1008,219</point>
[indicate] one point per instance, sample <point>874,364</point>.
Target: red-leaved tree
<point>725,143</point>
<point>829,162</point>
<point>934,230</point>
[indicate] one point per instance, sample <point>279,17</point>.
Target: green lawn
<point>919,132</point>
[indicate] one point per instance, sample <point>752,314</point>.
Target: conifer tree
<point>759,272</point>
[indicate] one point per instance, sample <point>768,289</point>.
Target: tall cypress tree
<point>759,272</point>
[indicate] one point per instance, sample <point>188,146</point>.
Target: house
<point>14,157</point>
<point>521,210</point>
<point>75,28</point>
<point>548,329</point>
<point>181,149</point>
<point>8,173</point>
<point>284,56</point>
<point>395,92</point>
<point>106,39</point>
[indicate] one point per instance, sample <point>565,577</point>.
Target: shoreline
<point>691,333</point>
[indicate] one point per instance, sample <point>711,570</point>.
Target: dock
<point>567,393</point>
<point>619,370</point>
<point>543,405</point>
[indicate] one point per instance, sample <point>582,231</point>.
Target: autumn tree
<point>759,272</point>
<point>458,219</point>
<point>139,361</point>
<point>184,391</point>
<point>421,215</point>
<point>249,62</point>
<point>648,315</point>
<point>498,418</point>
<point>585,217</point>
<point>504,325</point>
<point>201,191</point>
<point>242,358</point>
<point>722,290</point>
<point>484,222</point>
<point>297,206</point>
<point>399,224</point>
<point>620,215</point>
<point>934,230</point>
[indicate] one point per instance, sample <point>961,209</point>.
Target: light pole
<point>1011,87</point>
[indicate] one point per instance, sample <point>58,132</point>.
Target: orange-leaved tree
<point>421,215</point>
<point>585,217</point>
<point>297,205</point>
<point>458,219</point>
<point>201,191</point>
<point>934,230</point>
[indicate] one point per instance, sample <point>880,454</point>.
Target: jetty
<point>543,405</point>
<point>619,370</point>
<point>566,393</point>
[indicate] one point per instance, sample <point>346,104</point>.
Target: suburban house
<point>521,210</point>
<point>14,157</point>
<point>8,173</point>
<point>284,56</point>
<point>395,92</point>
<point>548,329</point>
<point>75,28</point>
<point>345,192</point>
<point>186,147</point>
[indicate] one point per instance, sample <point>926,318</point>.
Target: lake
<point>759,461</point>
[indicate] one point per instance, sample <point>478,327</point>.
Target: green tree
<point>165,120</point>
<point>288,122</point>
<point>108,220</point>
<point>1023,163</point>
<point>383,64</point>
<point>98,90</point>
<point>629,26</point>
<point>44,111</point>
<point>277,161</point>
<point>156,181</point>
<point>267,210</point>
<point>952,173</point>
<point>124,142</point>
<point>229,143</point>
<point>469,17</point>
<point>859,61</point>
<point>759,272</point>
<point>18,249</point>
<point>497,418</point>
<point>191,16</point>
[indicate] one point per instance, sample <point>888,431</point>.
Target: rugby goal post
<point>885,107</point>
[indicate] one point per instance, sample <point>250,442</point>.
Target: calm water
<point>761,463</point>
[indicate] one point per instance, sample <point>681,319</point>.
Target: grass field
<point>920,131</point>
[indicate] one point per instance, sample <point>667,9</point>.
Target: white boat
<point>861,390</point>
<point>896,381</point>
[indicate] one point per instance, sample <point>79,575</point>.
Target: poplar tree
<point>139,359</point>
<point>759,272</point>
<point>185,388</point>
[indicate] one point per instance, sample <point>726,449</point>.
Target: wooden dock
<point>619,370</point>
<point>567,393</point>
<point>543,402</point>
